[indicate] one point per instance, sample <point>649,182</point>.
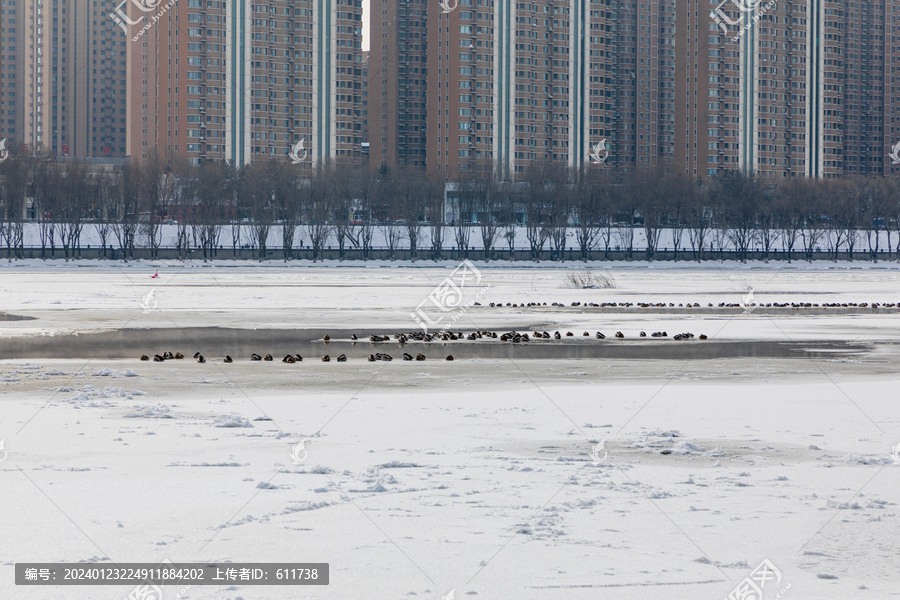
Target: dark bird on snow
<point>326,358</point>
<point>342,358</point>
<point>228,359</point>
<point>450,357</point>
<point>144,357</point>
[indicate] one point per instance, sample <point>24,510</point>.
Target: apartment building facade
<point>397,93</point>
<point>799,88</point>
<point>215,80</point>
<point>62,78</point>
<point>785,89</point>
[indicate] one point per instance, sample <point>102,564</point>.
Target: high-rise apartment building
<point>515,86</point>
<point>785,89</point>
<point>853,100</point>
<point>707,92</point>
<point>397,82</point>
<point>244,81</point>
<point>792,89</point>
<point>62,78</point>
<point>643,121</point>
<point>470,116</point>
<point>518,85</point>
<point>798,88</point>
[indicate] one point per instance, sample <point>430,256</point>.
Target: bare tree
<point>256,192</point>
<point>487,196</point>
<point>767,231</point>
<point>183,204</point>
<point>625,209</point>
<point>740,196</point>
<point>236,238</point>
<point>392,235</point>
<point>366,233</point>
<point>699,215</point>
<point>681,194</point>
<point>102,210</point>
<point>361,229</point>
<point>45,194</point>
<point>344,180</point>
<point>319,210</point>
<point>466,190</point>
<point>510,200</point>
<point>892,210</point>
<point>411,201</point>
<point>157,194</point>
<point>213,187</point>
<point>290,193</point>
<point>435,210</point>
<point>560,210</point>
<point>126,198</point>
<point>13,185</point>
<point>813,220</point>
<point>75,191</point>
<point>375,198</point>
<point>541,189</point>
<point>876,204</point>
<point>790,198</point>
<point>585,210</point>
<point>845,200</point>
<point>643,190</point>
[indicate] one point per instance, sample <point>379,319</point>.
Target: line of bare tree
<point>263,205</point>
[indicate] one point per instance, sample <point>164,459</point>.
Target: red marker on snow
<point>155,275</point>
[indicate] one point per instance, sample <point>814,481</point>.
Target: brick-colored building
<point>242,81</point>
<point>62,78</point>
<point>397,82</point>
<point>794,88</point>
<point>798,88</point>
<point>787,89</point>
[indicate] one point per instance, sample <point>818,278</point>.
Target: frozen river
<point>571,468</point>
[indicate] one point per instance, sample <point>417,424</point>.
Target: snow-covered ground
<point>497,477</point>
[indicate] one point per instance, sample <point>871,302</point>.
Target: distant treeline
<point>269,205</point>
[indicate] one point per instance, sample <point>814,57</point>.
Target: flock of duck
<point>288,358</point>
<point>510,336</point>
<point>418,336</point>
